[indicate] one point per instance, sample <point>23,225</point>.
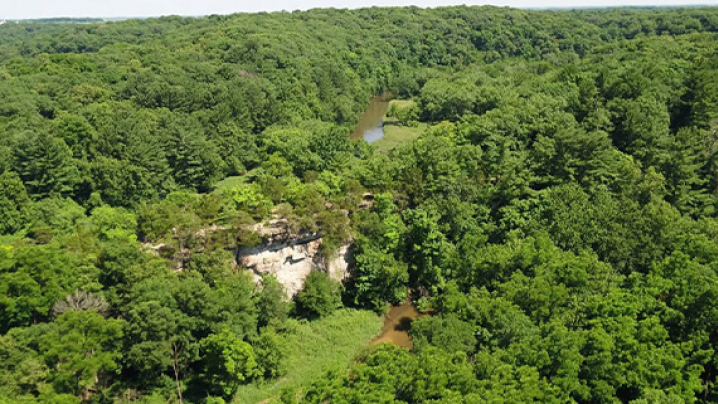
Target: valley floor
<point>315,348</point>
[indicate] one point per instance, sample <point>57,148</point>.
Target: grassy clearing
<point>395,134</point>
<point>234,181</point>
<point>316,347</point>
<point>402,103</point>
<point>229,183</point>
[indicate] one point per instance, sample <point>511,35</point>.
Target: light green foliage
<point>313,348</point>
<point>390,374</point>
<point>313,146</point>
<point>444,100</point>
<point>54,216</point>
<point>228,362</point>
<point>249,198</point>
<point>214,266</point>
<point>320,297</point>
<point>271,351</point>
<point>229,183</point>
<point>294,146</point>
<point>35,277</point>
<point>426,249</point>
<point>405,111</point>
<point>23,372</point>
<point>235,304</point>
<point>395,135</point>
<point>111,223</point>
<point>78,134</point>
<point>277,166</point>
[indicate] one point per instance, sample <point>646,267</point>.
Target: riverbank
<point>370,125</point>
<point>331,344</point>
<point>383,132</point>
<point>395,133</point>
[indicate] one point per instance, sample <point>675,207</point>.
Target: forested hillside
<point>557,222</point>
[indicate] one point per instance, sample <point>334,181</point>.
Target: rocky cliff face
<point>291,259</point>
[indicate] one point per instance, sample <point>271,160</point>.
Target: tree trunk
<point>175,368</point>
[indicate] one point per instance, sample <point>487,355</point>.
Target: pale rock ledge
<point>292,259</point>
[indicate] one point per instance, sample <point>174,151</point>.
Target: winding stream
<point>371,123</point>
<point>397,321</point>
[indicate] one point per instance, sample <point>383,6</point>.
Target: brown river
<point>397,324</point>
<point>371,123</point>
<point>397,321</point>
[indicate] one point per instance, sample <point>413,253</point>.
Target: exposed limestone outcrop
<point>291,258</point>
<point>339,266</point>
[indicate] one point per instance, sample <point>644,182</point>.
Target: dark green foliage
<point>446,332</point>
<point>46,166</point>
<point>14,203</point>
<point>193,160</point>
<point>379,278</point>
<point>271,302</point>
<point>84,348</point>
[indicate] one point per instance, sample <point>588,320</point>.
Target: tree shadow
<point>403,325</point>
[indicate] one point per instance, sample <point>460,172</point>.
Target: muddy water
<point>371,123</point>
<point>397,324</point>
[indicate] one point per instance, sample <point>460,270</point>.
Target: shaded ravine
<point>397,324</point>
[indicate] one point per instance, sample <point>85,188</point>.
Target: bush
<point>321,296</point>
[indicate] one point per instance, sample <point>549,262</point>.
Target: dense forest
<point>557,223</point>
